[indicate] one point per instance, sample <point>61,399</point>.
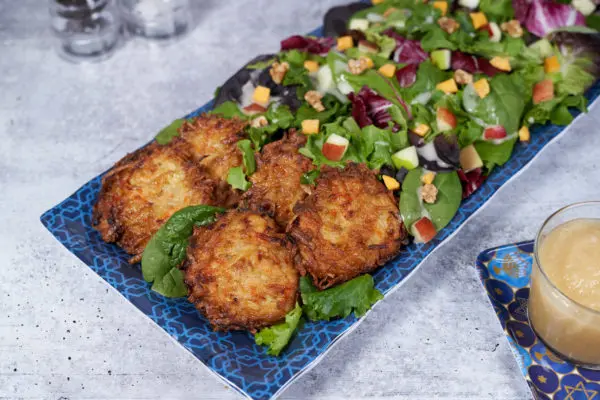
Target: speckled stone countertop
<point>65,334</point>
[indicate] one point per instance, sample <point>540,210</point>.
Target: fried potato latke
<point>240,272</point>
<point>144,189</point>
<point>276,184</point>
<point>213,139</point>
<point>348,226</point>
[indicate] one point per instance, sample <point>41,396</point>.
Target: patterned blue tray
<point>504,272</point>
<point>233,356</point>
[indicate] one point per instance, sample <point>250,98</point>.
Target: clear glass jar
<point>87,30</point>
<point>567,327</point>
<point>156,19</point>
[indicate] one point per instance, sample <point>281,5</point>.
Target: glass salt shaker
<point>156,19</point>
<point>87,30</point>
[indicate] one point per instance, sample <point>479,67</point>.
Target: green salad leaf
<point>386,44</point>
<point>262,64</point>
<point>278,336</point>
<point>310,177</point>
<point>280,118</point>
<point>436,38</point>
<point>237,179</point>
<point>247,156</point>
<point>229,109</point>
<point>574,74</point>
<point>494,154</point>
<point>356,295</point>
<point>166,250</point>
<point>498,10</point>
<point>333,109</point>
<point>428,76</point>
<point>169,132</point>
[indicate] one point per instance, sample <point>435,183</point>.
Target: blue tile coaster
<point>233,356</point>
<point>504,272</point>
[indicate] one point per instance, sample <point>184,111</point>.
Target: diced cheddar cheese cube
<point>311,66</point>
<point>421,129</point>
<point>479,19</point>
<point>391,183</point>
<point>502,63</point>
<point>448,86</point>
<point>261,95</point>
<point>428,177</point>
<point>441,5</point>
<point>482,87</point>
<point>375,2</point>
<point>389,12</point>
<point>387,70</point>
<point>551,65</point>
<point>310,126</point>
<point>370,63</point>
<point>524,134</point>
<point>344,43</point>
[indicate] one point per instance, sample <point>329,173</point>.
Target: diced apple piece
<point>543,91</point>
<point>364,46</point>
<point>423,230</point>
<point>325,79</point>
<point>344,43</point>
<point>390,183</point>
<point>482,87</point>
<point>501,63</point>
<point>586,7</point>
<point>448,86</point>
<point>311,66</point>
<point>442,6</point>
<point>551,64</point>
<point>469,159</point>
<point>254,109</point>
<point>471,4</point>
<point>543,47</point>
<point>421,129</point>
<point>524,134</point>
<point>446,121</point>
<point>494,32</point>
<point>494,132</point>
<point>479,19</point>
<point>388,70</point>
<point>310,126</point>
<point>441,58</point>
<point>359,24</point>
<point>261,95</point>
<point>335,147</point>
<point>406,158</point>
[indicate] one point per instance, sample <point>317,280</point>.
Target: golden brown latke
<point>348,226</point>
<point>144,189</point>
<point>240,272</point>
<point>276,184</point>
<point>213,139</point>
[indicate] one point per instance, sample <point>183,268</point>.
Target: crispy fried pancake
<point>240,271</point>
<point>144,189</point>
<point>276,184</point>
<point>348,226</point>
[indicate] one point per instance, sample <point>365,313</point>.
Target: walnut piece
<point>513,28</point>
<point>462,77</point>
<point>449,25</point>
<point>357,67</point>
<point>429,193</point>
<point>278,71</point>
<point>314,99</point>
<point>259,122</point>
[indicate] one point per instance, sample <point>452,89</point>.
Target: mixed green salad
<point>433,95</point>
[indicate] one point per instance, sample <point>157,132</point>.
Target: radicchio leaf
<point>471,181</point>
<point>521,8</point>
<point>407,75</point>
<point>318,46</point>
<point>472,64</point>
<point>544,16</point>
<point>369,108</point>
<point>407,51</point>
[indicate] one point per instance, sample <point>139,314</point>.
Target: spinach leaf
<point>279,117</point>
<point>411,207</point>
<point>229,109</point>
<point>468,133</point>
<point>278,336</point>
<point>436,38</point>
<point>357,295</point>
<point>428,76</point>
<point>294,57</point>
<point>237,179</point>
<point>310,177</point>
<point>333,109</point>
<point>169,132</point>
<point>166,250</point>
<point>495,154</point>
<point>499,10</point>
<point>247,156</point>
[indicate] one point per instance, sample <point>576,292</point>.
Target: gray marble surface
<point>65,334</point>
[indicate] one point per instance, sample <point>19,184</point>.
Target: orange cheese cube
<point>387,70</point>
<point>390,183</point>
<point>344,43</point>
<point>479,19</point>
<point>370,63</point>
<point>389,12</point>
<point>375,2</point>
<point>524,134</point>
<point>502,63</point>
<point>261,95</point>
<point>551,65</point>
<point>482,87</point>
<point>310,126</point>
<point>428,177</point>
<point>448,86</point>
<point>421,129</point>
<point>441,5</point>
<point>311,66</point>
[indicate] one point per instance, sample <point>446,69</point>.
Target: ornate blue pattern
<point>547,376</point>
<point>234,356</point>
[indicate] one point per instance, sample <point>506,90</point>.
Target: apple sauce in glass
<point>564,299</point>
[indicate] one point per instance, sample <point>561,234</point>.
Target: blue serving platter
<point>233,356</point>
<point>504,272</point>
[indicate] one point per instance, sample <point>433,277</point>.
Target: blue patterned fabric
<point>504,272</point>
<point>234,356</point>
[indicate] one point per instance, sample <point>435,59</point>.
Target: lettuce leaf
<point>356,295</point>
<point>280,118</point>
<point>276,337</point>
<point>498,10</point>
<point>228,109</point>
<point>169,132</point>
<point>237,179</point>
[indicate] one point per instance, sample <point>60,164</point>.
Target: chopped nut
<point>462,77</point>
<point>314,99</point>
<point>449,25</point>
<point>278,71</point>
<point>359,66</point>
<point>513,28</point>
<point>259,122</point>
<point>429,193</point>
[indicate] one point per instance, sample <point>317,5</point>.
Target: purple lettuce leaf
<point>472,64</point>
<point>407,51</point>
<point>369,108</point>
<point>407,75</point>
<point>540,17</point>
<point>318,46</point>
